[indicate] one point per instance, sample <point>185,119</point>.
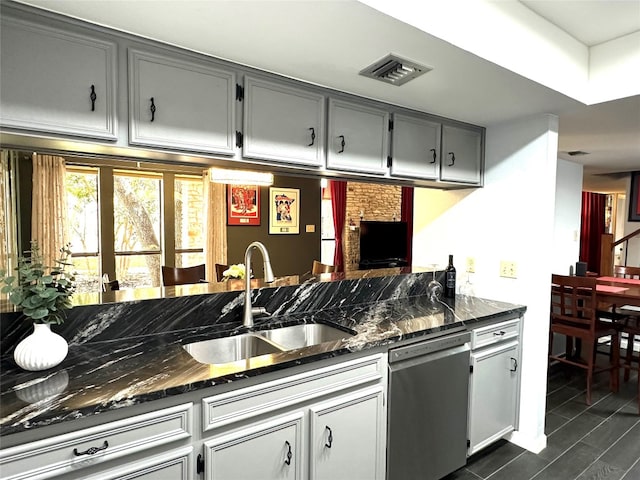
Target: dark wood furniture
<point>183,276</point>
<point>318,268</point>
<point>220,269</point>
<point>573,314</point>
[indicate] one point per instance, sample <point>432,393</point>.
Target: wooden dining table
<point>618,291</point>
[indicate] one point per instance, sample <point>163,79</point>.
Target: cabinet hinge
<point>468,443</point>
<point>199,464</point>
<point>238,139</point>
<point>390,125</point>
<point>239,92</point>
<point>470,368</point>
<point>389,161</point>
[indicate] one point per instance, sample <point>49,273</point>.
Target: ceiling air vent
<point>394,70</point>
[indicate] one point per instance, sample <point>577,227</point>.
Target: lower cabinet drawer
<point>91,446</point>
<point>497,332</point>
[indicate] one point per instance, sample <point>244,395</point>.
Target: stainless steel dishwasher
<point>428,402</point>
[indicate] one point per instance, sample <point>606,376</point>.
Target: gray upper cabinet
<point>461,155</point>
<point>180,104</point>
<point>358,137</point>
<point>57,81</point>
<point>415,147</point>
<point>283,123</point>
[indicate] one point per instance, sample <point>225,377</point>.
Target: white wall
<point>568,210</point>
<point>511,218</point>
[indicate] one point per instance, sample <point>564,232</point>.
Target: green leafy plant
<point>43,292</point>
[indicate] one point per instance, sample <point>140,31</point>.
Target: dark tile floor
<point>598,442</point>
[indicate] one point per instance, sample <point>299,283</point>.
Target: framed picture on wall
<point>284,210</point>
<point>634,198</point>
<point>243,205</point>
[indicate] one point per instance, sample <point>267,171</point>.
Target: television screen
<point>380,241</point>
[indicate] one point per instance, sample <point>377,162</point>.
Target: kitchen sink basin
<point>299,336</point>
<point>219,351</point>
<point>230,349</point>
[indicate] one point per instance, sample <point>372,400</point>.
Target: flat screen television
<point>383,242</point>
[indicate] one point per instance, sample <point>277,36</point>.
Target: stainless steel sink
<point>230,349</point>
<point>299,336</point>
<point>224,350</point>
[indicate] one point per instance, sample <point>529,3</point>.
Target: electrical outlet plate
<point>508,269</point>
<point>471,264</point>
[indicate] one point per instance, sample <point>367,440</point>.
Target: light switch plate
<point>310,228</point>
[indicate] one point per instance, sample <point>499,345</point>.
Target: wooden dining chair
<point>183,276</point>
<point>318,268</point>
<point>573,314</point>
<point>220,269</point>
<point>628,321</point>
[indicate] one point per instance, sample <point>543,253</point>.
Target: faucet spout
<point>249,311</point>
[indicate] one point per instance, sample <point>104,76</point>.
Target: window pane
<point>87,270</point>
<point>135,271</point>
<point>189,259</point>
<point>137,210</point>
<point>82,210</point>
<point>189,213</point>
<point>327,231</point>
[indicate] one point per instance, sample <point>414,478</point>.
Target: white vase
<point>41,350</point>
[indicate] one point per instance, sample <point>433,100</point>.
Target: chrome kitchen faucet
<point>249,311</point>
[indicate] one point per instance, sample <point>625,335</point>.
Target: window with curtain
<point>189,220</point>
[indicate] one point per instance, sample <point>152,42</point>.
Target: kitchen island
<point>113,378</point>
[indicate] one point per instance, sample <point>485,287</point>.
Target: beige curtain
<point>8,228</point>
<point>49,206</point>
<point>215,225</point>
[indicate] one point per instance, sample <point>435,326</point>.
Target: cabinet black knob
<point>453,159</point>
<point>313,136</point>
<point>329,437</point>
<point>289,454</point>
<point>91,451</point>
<point>433,151</point>
<point>153,110</point>
<point>342,143</point>
<point>93,98</point>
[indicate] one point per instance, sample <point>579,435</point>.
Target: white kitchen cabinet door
<point>263,451</point>
<point>179,104</point>
<point>348,437</point>
<point>461,155</point>
<point>415,147</point>
<point>358,138</point>
<point>174,465</point>
<point>283,123</point>
<point>493,394</point>
<point>56,81</point>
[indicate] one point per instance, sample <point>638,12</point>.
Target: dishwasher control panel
<point>429,346</point>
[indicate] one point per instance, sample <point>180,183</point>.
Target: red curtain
<point>591,229</point>
<point>406,214</point>
<point>338,190</point>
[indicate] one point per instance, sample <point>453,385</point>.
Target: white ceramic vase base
<point>41,350</point>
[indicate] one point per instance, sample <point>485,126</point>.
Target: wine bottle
<point>450,280</point>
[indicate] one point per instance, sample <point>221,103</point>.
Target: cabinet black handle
<point>329,438</point>
<point>433,151</point>
<point>91,451</point>
<point>93,98</point>
<point>153,110</point>
<point>313,136</point>
<point>453,158</point>
<point>342,144</point>
<point>515,365</point>
<point>499,334</point>
<point>200,464</point>
<point>289,454</point>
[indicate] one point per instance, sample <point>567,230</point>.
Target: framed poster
<point>243,205</point>
<point>284,210</point>
<point>634,198</point>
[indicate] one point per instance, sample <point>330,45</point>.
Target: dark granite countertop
<point>108,375</point>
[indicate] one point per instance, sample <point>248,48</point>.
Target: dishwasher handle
<point>448,344</point>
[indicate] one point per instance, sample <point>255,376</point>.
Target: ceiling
<point>327,42</point>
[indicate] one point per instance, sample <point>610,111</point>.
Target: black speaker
<point>581,269</point>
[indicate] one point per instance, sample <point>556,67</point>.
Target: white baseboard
<point>534,445</point>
